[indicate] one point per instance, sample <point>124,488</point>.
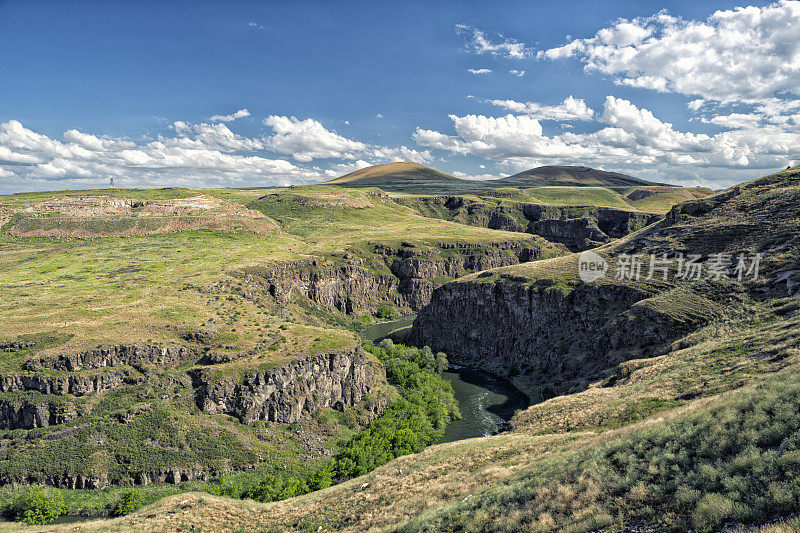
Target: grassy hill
<point>701,434</point>
<point>574,176</point>
<point>401,177</point>
<point>413,178</point>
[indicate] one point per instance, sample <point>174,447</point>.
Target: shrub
<point>129,501</point>
<point>38,506</point>
<point>388,312</point>
<point>712,511</point>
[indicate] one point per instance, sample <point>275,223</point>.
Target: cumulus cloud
<point>196,155</point>
<point>188,155</point>
<point>630,138</point>
<point>517,73</point>
<point>479,43</point>
<point>747,54</point>
<point>308,139</point>
<point>479,177</point>
<point>570,109</point>
<point>230,118</point>
<point>478,71</point>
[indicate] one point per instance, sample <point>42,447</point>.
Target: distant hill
<point>571,176</point>
<point>399,177</point>
<point>414,178</point>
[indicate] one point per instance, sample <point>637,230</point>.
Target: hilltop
<point>577,176</point>
<point>399,177</point>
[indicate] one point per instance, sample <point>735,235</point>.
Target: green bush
<point>129,501</point>
<point>38,506</point>
<point>388,312</point>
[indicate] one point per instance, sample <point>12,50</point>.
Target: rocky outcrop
<point>338,380</point>
<point>60,384</point>
<point>351,289</point>
<point>577,227</point>
<point>117,355</point>
<point>541,332</point>
<point>22,414</point>
<point>428,264</point>
<point>403,276</point>
<point>172,475</point>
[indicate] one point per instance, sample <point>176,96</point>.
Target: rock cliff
<point>23,414</point>
<point>556,336</point>
<point>577,227</point>
<point>338,380</point>
<point>404,276</point>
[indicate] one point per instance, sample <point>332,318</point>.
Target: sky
<point>243,94</point>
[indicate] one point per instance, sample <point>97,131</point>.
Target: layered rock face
<point>25,415</point>
<point>337,380</point>
<point>578,228</point>
<point>361,287</point>
<point>60,384</point>
<point>543,334</point>
<point>118,355</point>
<point>65,390</point>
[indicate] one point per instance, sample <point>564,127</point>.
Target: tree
<point>442,363</point>
<point>39,506</point>
<point>129,501</point>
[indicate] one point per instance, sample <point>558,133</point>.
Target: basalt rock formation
<point>337,380</point>
<point>543,324</point>
<point>143,432</point>
<point>23,414</point>
<point>561,336</point>
<point>578,228</point>
<point>404,276</point>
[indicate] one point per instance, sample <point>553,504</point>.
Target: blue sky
<point>93,90</point>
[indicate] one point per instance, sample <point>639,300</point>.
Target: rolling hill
<point>413,178</point>
<point>576,176</point>
<point>400,177</point>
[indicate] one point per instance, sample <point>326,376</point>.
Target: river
<point>487,402</point>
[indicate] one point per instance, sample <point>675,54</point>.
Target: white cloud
<point>340,169</point>
<point>255,26</point>
<point>190,155</point>
<point>476,41</point>
<point>517,73</point>
<point>735,120</point>
<point>379,115</point>
<point>570,109</point>
<point>478,71</point>
<point>631,138</point>
<point>746,54</point>
<point>230,118</point>
<point>308,139</point>
<point>480,177</point>
<point>196,155</point>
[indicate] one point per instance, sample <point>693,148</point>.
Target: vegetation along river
<point>487,402</point>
